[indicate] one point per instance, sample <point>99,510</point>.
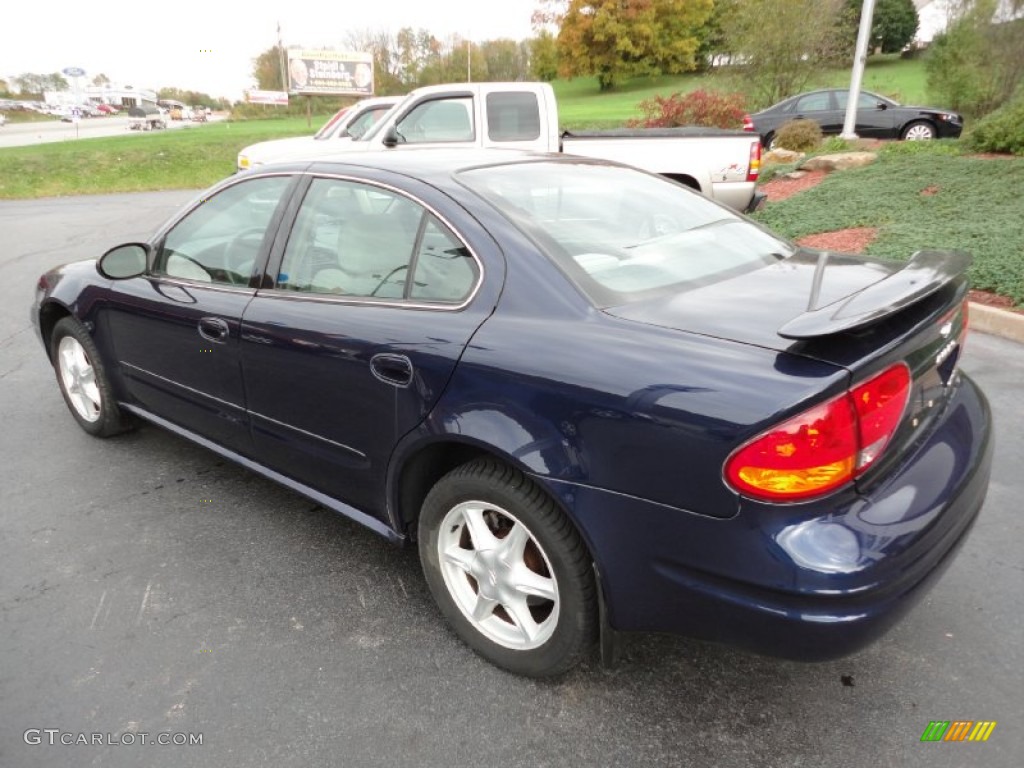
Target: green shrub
<point>835,144</point>
<point>798,135</point>
<point>938,147</point>
<point>1001,131</point>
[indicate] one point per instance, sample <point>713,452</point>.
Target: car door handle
<point>213,329</point>
<point>392,369</point>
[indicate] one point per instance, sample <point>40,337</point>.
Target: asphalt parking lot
<point>146,586</point>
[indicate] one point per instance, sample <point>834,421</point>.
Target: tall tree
<point>780,43</point>
<point>543,56</point>
<point>978,62</point>
<point>619,39</point>
<point>893,24</point>
<point>266,70</point>
<point>101,79</point>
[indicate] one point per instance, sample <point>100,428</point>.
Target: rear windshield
<point>623,235</point>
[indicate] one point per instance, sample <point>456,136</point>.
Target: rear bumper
<point>809,581</point>
<point>739,195</point>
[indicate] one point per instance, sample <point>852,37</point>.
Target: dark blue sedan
<point>597,401</point>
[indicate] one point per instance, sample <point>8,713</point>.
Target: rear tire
<point>83,381</point>
<point>507,569</point>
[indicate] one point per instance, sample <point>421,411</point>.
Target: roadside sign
<point>329,72</point>
<point>267,97</point>
<point>73,71</point>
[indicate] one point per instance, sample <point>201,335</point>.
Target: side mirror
<point>390,137</point>
<point>124,261</point>
<point>882,105</point>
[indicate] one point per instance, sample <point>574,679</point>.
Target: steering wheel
<point>240,251</point>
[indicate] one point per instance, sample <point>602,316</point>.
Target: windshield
<point>325,131</point>
<point>622,235</point>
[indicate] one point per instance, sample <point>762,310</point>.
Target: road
<point>23,134</point>
<point>146,586</point>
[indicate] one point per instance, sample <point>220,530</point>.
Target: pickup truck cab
<point>722,164</point>
<point>346,124</point>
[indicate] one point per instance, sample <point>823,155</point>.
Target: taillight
<point>824,447</point>
<point>748,123</point>
<point>754,168</point>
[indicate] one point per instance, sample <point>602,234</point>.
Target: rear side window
<point>813,102</point>
<point>513,116</point>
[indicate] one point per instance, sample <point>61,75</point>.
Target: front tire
<point>508,570</point>
<point>83,381</point>
<point>919,130</point>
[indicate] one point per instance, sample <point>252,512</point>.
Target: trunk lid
<point>857,313</point>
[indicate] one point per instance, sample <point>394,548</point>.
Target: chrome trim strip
<point>344,447</point>
<point>331,503</point>
<point>186,283</point>
<point>181,386</point>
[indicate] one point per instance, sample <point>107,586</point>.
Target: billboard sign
<point>329,72</point>
<point>267,97</point>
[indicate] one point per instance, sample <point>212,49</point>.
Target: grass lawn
<point>972,204</point>
<point>192,157</point>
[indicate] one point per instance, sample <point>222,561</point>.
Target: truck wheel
<point>508,570</point>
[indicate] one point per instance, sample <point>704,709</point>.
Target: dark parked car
<point>596,400</point>
<point>877,117</point>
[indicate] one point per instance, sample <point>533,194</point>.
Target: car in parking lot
<point>594,399</point>
<point>877,117</point>
<point>346,124</point>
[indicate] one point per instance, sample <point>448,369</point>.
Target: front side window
<point>438,121</point>
<point>219,241</point>
<point>358,240</point>
<point>622,235</point>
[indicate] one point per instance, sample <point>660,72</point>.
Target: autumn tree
<point>620,39</point>
<point>779,44</point>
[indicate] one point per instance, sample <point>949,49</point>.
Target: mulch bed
<point>853,240</point>
<point>781,188</point>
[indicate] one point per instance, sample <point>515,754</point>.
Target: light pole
<point>859,59</point>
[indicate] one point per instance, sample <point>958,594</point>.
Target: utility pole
<point>280,50</point>
<point>860,57</point>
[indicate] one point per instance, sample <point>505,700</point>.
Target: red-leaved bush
<point>707,108</point>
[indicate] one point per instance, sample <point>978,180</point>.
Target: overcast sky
<point>207,45</point>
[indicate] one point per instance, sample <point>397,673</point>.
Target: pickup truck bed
<point>722,175</point>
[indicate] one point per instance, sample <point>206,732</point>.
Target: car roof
<point>435,166</point>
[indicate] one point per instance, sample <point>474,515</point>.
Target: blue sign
<point>74,72</point>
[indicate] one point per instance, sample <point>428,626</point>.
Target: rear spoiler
<point>923,275</point>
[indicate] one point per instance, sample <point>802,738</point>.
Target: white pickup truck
<point>722,164</point>
<point>346,124</point>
